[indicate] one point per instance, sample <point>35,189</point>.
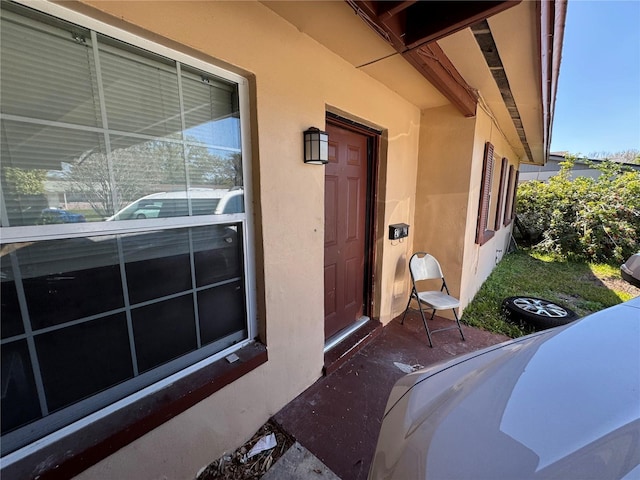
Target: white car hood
<point>564,403</point>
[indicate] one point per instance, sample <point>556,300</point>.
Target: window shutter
<point>485,195</point>
<point>515,195</point>
<point>510,207</point>
<point>501,195</point>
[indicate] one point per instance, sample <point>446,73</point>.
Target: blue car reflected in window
<point>58,215</point>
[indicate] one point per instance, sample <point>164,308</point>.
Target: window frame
<point>501,195</point>
<point>510,208</point>
<point>204,385</point>
<point>483,234</point>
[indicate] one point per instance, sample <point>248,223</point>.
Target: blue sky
<point>598,101</point>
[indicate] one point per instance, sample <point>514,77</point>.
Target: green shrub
<point>584,219</point>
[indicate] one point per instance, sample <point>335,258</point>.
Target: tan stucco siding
<point>295,81</point>
<point>447,196</point>
<point>446,154</point>
<point>479,261</point>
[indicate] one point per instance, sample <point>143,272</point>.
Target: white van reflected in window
<point>232,202</point>
<point>204,201</point>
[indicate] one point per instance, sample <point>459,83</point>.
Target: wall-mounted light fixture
<point>316,146</point>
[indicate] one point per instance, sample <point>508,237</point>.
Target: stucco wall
<point>447,196</point>
<point>445,162</point>
<point>295,81</point>
<point>479,261</point>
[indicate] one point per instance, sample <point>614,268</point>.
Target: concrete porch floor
<point>338,418</point>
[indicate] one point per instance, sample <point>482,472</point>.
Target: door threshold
<point>334,340</point>
<point>345,344</point>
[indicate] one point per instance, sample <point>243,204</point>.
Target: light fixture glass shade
<point>316,146</point>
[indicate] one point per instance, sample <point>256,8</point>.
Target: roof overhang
<point>436,52</point>
<point>513,59</point>
<point>413,27</point>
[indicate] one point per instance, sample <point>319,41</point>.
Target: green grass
<point>582,287</point>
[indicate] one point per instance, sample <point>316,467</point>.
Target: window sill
<point>78,451</point>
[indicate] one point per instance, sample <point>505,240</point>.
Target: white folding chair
<point>423,266</point>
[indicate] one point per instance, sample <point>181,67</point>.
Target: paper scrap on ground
<point>265,443</point>
<point>407,368</point>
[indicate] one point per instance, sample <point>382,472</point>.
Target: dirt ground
<point>233,466</point>
<point>612,283</point>
<point>620,285</point>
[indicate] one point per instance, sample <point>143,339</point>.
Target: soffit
<point>521,61</point>
<point>515,36</point>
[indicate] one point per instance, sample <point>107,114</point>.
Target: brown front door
<point>345,228</point>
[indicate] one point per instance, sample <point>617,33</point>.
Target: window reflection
<point>11,317</point>
<point>19,396</point>
<point>217,253</point>
<point>84,359</point>
<point>147,178</point>
<point>73,169</point>
<point>163,331</point>
<point>221,311</point>
<point>157,264</point>
<point>53,175</point>
<point>141,168</point>
<point>181,290</point>
<point>65,280</point>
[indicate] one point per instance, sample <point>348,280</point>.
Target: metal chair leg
<point>424,321</point>
<point>458,322</point>
<point>406,308</point>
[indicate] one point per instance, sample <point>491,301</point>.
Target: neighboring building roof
<point>583,167</point>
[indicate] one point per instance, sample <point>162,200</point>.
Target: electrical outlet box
<point>398,231</point>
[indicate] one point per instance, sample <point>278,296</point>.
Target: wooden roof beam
<point>436,67</point>
<point>413,27</point>
<point>429,59</point>
<point>413,23</point>
<point>429,21</point>
<point>389,8</point>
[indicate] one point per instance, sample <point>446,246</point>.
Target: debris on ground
<point>408,368</point>
<point>262,445</point>
<point>252,460</point>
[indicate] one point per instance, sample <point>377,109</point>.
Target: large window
<point>126,243</point>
